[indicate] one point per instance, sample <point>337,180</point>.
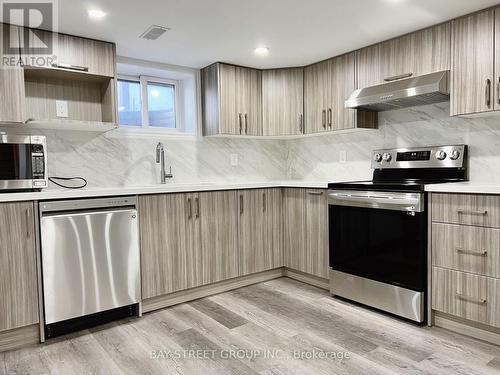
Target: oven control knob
<point>441,155</point>
<point>455,154</point>
<point>377,158</point>
<point>387,157</point>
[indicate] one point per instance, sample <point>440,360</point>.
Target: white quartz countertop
<point>49,194</point>
<point>463,187</point>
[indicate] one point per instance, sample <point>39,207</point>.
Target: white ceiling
<point>298,32</point>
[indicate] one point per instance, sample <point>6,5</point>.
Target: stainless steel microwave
<point>23,162</point>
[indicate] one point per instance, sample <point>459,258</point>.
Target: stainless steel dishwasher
<point>90,259</point>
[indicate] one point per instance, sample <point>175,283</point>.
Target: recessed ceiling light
<point>96,14</point>
<point>262,51</point>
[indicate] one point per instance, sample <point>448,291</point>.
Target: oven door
<point>379,236</point>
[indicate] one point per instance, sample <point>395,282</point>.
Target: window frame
<point>145,126</point>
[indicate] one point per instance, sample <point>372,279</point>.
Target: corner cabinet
<point>422,52</point>
<point>475,74</point>
<point>283,101</point>
<point>18,276</point>
<point>11,79</point>
<point>231,100</point>
<point>327,86</point>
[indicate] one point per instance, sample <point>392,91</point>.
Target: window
<point>147,102</point>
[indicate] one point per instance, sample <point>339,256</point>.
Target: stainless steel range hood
<point>410,92</point>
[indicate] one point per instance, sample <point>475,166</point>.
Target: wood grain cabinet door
<point>473,63</point>
<point>218,215</point>
<point>341,84</point>
<point>294,229</point>
<point>249,101</point>
<point>316,87</point>
<point>283,101</point>
<point>226,100</point>
<point>317,233</point>
<point>11,78</point>
<point>18,276</point>
<point>260,237</point>
<point>170,259</point>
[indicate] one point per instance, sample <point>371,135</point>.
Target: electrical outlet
<point>343,156</point>
<point>61,108</point>
<point>234,160</point>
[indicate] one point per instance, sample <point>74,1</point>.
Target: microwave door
<point>15,166</point>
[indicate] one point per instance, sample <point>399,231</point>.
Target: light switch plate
<point>234,160</point>
<point>61,108</point>
<point>343,156</point>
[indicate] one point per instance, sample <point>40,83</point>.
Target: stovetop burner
<point>410,169</point>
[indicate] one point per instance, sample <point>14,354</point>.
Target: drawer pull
<point>470,252</point>
<point>468,212</point>
<point>471,299</point>
<point>312,192</point>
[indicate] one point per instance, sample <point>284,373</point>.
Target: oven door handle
<point>411,202</point>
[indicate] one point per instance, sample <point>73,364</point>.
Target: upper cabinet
<point>231,100</point>
<point>72,53</point>
<point>327,85</point>
<point>11,78</point>
<point>283,101</point>
<point>422,52</point>
<point>475,68</point>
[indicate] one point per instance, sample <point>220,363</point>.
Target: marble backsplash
<point>114,159</point>
<point>318,158</point>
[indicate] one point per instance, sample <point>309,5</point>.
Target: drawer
<point>467,296</point>
<point>466,248</point>
<point>469,209</point>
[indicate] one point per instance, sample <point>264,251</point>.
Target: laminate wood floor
<point>277,327</point>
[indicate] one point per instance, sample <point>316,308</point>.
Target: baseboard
<point>161,302</point>
<point>307,278</point>
<point>467,327</point>
<point>19,337</point>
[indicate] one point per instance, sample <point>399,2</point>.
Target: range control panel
<point>421,157</point>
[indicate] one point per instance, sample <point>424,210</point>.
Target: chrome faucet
<point>160,158</point>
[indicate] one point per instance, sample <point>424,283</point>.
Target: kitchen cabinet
<point>218,214</point>
<point>260,243</point>
<point>171,258</point>
<point>305,213</point>
<point>327,86</point>
<point>18,276</point>
<point>475,67</point>
<point>72,53</point>
<point>231,100</point>
<point>11,78</point>
<point>283,101</point>
<point>422,52</point>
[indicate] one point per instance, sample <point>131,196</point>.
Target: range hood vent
<point>410,92</point>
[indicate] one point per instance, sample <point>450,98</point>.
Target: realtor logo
<point>30,15</point>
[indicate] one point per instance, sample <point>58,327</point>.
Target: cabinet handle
<point>323,116</point>
<point>241,204</point>
<point>28,219</point>
<point>312,192</point>
<point>471,299</point>
<point>190,209</point>
<point>488,92</point>
<point>301,123</point>
<point>468,212</point>
<point>264,203</point>
<point>498,91</point>
<point>241,122</point>
<point>330,118</point>
<point>246,123</point>
<point>197,202</point>
<point>470,252</point>
<point>70,67</point>
<point>397,77</point>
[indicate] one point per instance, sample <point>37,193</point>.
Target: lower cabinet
<point>18,276</point>
<point>260,239</point>
<point>170,253</point>
<point>306,231</point>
